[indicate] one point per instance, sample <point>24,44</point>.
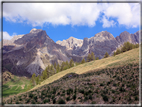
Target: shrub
<point>114,84</point>
<point>61,101</point>
<point>62,94</point>
<point>74,96</point>
<point>54,100</point>
<point>53,96</point>
<point>136,98</point>
<point>86,98</point>
<point>122,89</point>
<point>101,84</point>
<point>90,97</point>
<point>28,100</point>
<point>46,101</point>
<point>68,98</point>
<point>31,95</point>
<point>33,102</point>
<point>63,91</point>
<point>48,95</point>
<point>93,102</point>
<point>108,83</point>
<point>113,91</point>
<point>81,91</point>
<point>35,97</point>
<point>105,98</point>
<point>58,93</point>
<point>69,91</point>
<point>17,102</point>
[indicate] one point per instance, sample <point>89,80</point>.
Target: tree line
<point>55,68</point>
<point>126,47</point>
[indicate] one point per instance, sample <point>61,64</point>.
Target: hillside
<point>13,84</point>
<point>103,74</point>
<point>127,57</point>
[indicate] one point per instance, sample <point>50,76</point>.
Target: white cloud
<point>107,23</point>
<point>72,13</point>
<point>126,14</point>
<point>7,36</point>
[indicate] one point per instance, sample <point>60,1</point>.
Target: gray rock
<point>71,43</point>
<point>127,37</point>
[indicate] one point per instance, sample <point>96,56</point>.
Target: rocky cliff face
<point>99,44</point>
<point>126,36</point>
<point>33,52</point>
<point>71,43</point>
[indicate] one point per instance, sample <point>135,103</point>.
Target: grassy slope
<point>114,85</point>
<point>127,57</point>
<point>121,59</point>
<point>16,85</point>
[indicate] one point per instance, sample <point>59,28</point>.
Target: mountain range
<point>31,53</point>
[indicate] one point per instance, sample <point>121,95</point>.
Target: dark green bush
<point>31,95</point>
<point>46,101</point>
<point>74,96</point>
<point>90,97</point>
<point>101,84</point>
<point>105,98</point>
<point>68,98</point>
<point>61,101</point>
<point>93,102</point>
<point>81,91</point>
<point>54,100</point>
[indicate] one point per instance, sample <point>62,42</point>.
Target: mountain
<point>126,36</point>
<point>71,43</point>
<point>101,43</point>
<point>33,52</point>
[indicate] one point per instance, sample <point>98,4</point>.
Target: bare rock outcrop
<point>99,44</point>
<point>127,37</point>
<point>71,43</point>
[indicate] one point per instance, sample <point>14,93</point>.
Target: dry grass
<point>127,57</point>
<point>121,59</point>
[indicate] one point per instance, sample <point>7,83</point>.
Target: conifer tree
<point>77,63</point>
<point>83,61</point>
<point>55,66</point>
<point>71,63</point>
<point>37,79</point>
<point>33,79</point>
<point>52,68</point>
<point>106,55</point>
<point>89,57</point>
<point>92,56</point>
<point>44,74</point>
<point>58,68</point>
<point>66,65</point>
<point>62,66</point>
<point>40,79</point>
<point>118,51</point>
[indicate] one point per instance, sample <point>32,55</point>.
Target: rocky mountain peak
<point>34,30</point>
<point>71,43</point>
<point>104,34</point>
<point>125,33</point>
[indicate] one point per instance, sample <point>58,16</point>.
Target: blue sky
<point>79,20</point>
